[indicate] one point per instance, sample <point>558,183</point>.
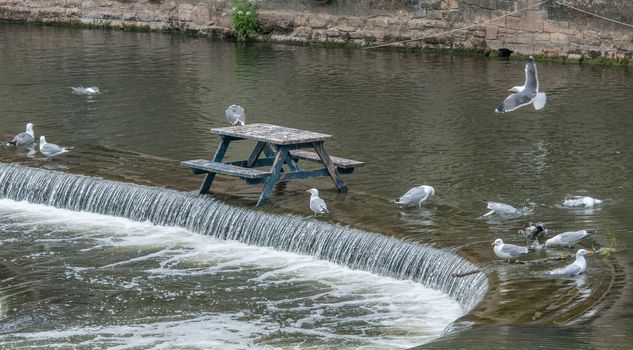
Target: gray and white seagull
<point>508,251</point>
<point>26,138</point>
<point>317,205</point>
<point>526,94</point>
<point>577,267</point>
<point>51,149</point>
<point>234,115</point>
<point>416,195</point>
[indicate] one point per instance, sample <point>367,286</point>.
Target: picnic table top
<point>274,134</point>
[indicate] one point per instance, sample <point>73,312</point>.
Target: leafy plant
<point>244,19</point>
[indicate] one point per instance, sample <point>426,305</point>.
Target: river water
<point>96,280</point>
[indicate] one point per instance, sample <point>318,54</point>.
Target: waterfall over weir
<point>355,249</point>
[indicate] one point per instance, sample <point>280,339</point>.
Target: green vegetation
<point>244,19</point>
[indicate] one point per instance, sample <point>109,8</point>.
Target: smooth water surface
<point>414,118</point>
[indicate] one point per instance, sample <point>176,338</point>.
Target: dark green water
<point>414,118</point>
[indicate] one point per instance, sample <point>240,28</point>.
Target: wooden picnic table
<point>276,146</point>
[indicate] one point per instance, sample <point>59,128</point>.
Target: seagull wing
<point>513,250</point>
<point>51,149</point>
<point>413,196</point>
<point>569,270</point>
<point>531,77</point>
<point>318,205</point>
<point>573,236</point>
<point>22,138</point>
<point>516,100</point>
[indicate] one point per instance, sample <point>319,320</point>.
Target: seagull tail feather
<point>12,143</point>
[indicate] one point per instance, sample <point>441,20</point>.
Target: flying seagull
<point>235,115</point>
<point>575,268</point>
<point>508,251</point>
<point>567,238</point>
<point>24,138</point>
<point>317,205</point>
<point>51,149</point>
<point>526,94</point>
<point>416,195</point>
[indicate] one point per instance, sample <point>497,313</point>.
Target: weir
<point>349,247</point>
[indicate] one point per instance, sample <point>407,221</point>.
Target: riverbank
<point>547,29</point>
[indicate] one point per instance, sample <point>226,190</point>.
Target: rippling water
<point>415,118</point>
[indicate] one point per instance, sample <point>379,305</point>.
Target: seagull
<point>51,149</point>
<point>533,230</point>
<point>317,204</point>
<point>24,138</point>
<point>499,208</point>
<point>508,251</point>
<point>235,115</point>
<point>91,90</point>
<point>575,268</point>
<point>526,94</point>
<point>567,238</point>
<point>416,195</point>
<point>581,201</point>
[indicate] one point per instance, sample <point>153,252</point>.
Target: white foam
<point>405,312</point>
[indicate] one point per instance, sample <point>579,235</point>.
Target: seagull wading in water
<point>416,195</point>
<point>51,149</point>
<point>567,238</point>
<point>581,201</point>
<point>508,251</point>
<point>499,208</point>
<point>575,268</point>
<point>526,94</point>
<point>317,205</point>
<point>26,138</point>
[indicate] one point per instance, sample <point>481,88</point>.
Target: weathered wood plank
<point>226,169</point>
<point>217,157</point>
<point>274,134</point>
<point>325,158</point>
<point>314,157</point>
<point>280,158</point>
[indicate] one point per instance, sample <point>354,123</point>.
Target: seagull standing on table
<point>575,268</point>
<point>567,238</point>
<point>26,138</point>
<point>416,195</point>
<point>526,94</point>
<point>317,205</point>
<point>234,115</point>
<point>508,251</point>
<point>51,149</point>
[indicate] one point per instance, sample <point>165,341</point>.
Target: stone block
<point>491,33</point>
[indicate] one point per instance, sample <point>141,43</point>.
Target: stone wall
<point>547,29</point>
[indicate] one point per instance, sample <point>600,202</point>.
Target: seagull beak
<point>493,243</point>
<point>307,190</point>
<point>509,89</point>
<point>590,253</point>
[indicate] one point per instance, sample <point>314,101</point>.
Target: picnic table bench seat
<point>200,166</point>
<point>341,163</point>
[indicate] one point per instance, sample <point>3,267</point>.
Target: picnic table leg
<point>280,158</point>
<point>219,155</point>
<point>269,150</point>
<point>261,146</point>
<point>327,162</point>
